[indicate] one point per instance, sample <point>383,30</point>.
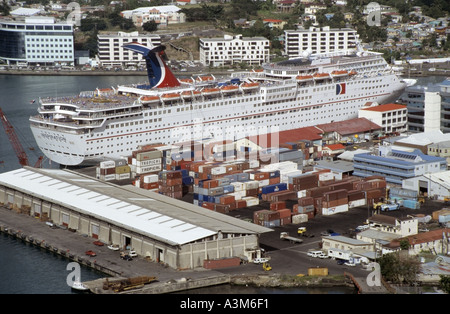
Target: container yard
<point>274,183</point>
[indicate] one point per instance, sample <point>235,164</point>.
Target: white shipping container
<point>325,176</point>
<point>301,193</point>
<point>153,168</point>
<point>299,218</point>
<point>251,185</point>
<point>148,155</point>
<point>148,162</point>
<point>123,176</point>
<point>218,170</point>
<point>263,182</point>
<point>254,164</point>
<point>107,164</point>
<point>238,186</point>
<point>151,178</point>
<point>108,177</point>
<point>357,203</point>
<point>334,210</point>
<point>251,201</point>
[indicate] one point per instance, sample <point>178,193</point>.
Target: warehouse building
<point>162,229</point>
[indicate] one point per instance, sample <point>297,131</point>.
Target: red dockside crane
<point>21,155</point>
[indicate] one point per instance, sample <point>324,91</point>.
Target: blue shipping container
<point>273,188</point>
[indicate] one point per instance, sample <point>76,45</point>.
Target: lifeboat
<point>339,73</point>
<point>249,86</point>
<point>205,78</point>
<point>190,93</point>
<point>304,78</point>
<point>229,88</point>
<point>321,76</point>
<point>170,96</point>
<point>187,81</point>
<point>149,99</point>
<point>352,72</point>
<point>210,91</point>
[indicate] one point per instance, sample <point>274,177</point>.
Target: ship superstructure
<point>111,123</point>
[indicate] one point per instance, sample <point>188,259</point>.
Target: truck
<point>286,236</point>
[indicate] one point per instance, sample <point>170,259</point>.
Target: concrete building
<point>162,229</point>
<point>391,117</point>
<point>385,229</point>
<point>348,131</point>
<point>112,53</point>
<point>429,107</point>
<point>162,15</point>
<point>319,40</point>
<point>234,49</point>
<point>36,41</point>
<point>435,185</point>
<point>397,165</point>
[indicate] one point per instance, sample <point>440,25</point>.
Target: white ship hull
<point>275,106</point>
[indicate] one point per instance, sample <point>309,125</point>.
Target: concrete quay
<point>73,246</point>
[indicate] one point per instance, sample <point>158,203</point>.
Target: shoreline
<point>35,234</point>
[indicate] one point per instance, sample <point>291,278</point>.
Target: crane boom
<point>20,152</point>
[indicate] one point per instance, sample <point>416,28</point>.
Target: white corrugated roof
<point>104,206</point>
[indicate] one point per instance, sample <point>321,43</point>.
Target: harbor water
<point>25,268</point>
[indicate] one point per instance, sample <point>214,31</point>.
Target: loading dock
<point>163,229</point>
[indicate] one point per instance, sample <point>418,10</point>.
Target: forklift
<point>266,266</point>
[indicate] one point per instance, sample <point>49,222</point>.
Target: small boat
<point>149,99</point>
<point>249,86</point>
<point>229,88</point>
<point>304,78</point>
<point>78,285</point>
<point>210,91</point>
<point>170,96</point>
<point>321,76</point>
<point>338,73</point>
<point>90,253</point>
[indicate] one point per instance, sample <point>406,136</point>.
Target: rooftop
<point>385,108</point>
<point>168,220</point>
<point>352,126</point>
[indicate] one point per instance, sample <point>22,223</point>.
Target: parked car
<point>340,262</point>
<point>99,243</point>
<point>348,263</point>
<point>132,253</point>
<point>260,260</point>
<point>90,253</point>
<point>114,247</point>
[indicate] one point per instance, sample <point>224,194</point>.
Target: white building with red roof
<point>393,118</point>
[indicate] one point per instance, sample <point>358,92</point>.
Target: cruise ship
<point>111,123</point>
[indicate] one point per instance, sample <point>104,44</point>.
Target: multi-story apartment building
<point>391,117</point>
<point>36,41</point>
<point>234,49</point>
<point>112,53</point>
<point>319,40</point>
<point>428,107</point>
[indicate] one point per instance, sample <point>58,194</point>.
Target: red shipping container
<point>274,180</point>
<point>210,184</point>
<point>221,263</point>
<point>208,205</point>
<point>277,205</point>
<point>305,201</point>
<point>285,212</point>
<point>227,199</point>
<point>241,204</point>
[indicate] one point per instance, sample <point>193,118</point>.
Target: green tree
<point>399,267</point>
<point>444,283</point>
<point>150,26</point>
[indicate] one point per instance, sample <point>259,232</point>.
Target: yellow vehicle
<point>266,266</point>
<point>301,230</point>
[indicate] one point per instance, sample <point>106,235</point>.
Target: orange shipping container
<point>277,205</point>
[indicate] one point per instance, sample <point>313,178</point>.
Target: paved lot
<point>286,257</point>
